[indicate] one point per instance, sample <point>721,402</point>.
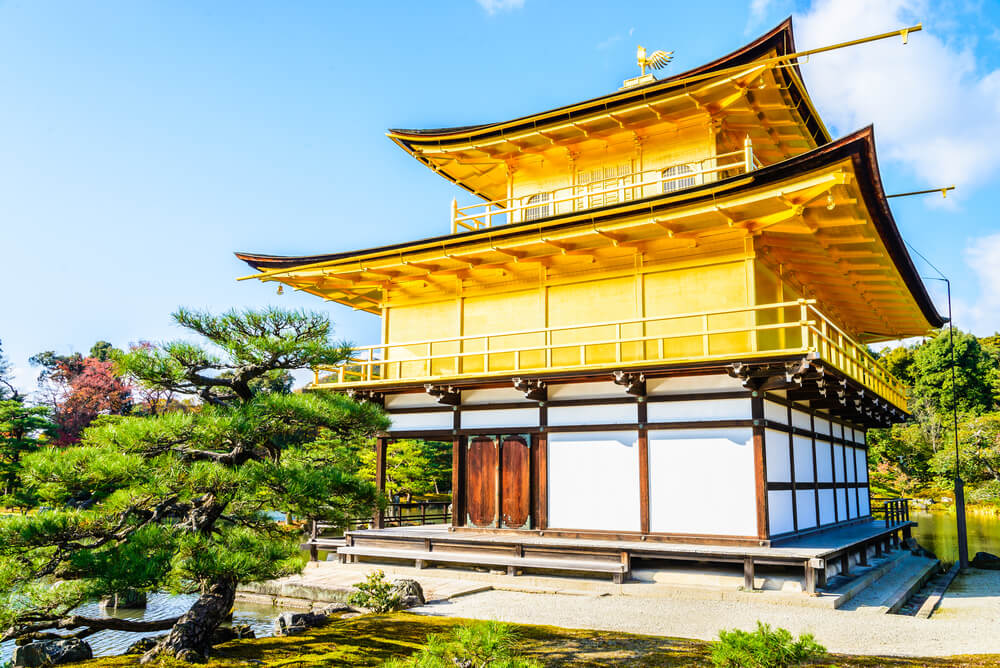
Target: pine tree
<point>179,501</point>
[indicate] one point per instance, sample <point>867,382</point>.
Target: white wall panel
<point>606,414</point>
<point>838,462</point>
<point>824,467</point>
<point>493,395</point>
<point>594,481</point>
<point>852,475</point>
<point>702,481</point>
<point>802,447</point>
<point>852,504</point>
<point>859,436</point>
<point>408,421</point>
<point>826,514</point>
<point>779,512</point>
<point>838,431</point>
<point>693,384</point>
<point>821,425</point>
<point>601,390</point>
<point>805,507</point>
<point>775,412</point>
<point>865,507</point>
<point>508,417</point>
<point>703,409</point>
<point>841,504</point>
<point>861,460</point>
<point>779,467</point>
<point>801,420</point>
<point>410,400</point>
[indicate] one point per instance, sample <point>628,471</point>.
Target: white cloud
<point>982,317</point>
<point>494,6</point>
<point>934,110</point>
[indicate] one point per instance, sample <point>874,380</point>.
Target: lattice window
<point>538,207</point>
<point>603,185</point>
<point>672,184</point>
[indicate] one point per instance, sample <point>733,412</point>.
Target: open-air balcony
<point>603,192</point>
<point>776,330</point>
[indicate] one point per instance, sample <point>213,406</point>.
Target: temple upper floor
<point>746,110</point>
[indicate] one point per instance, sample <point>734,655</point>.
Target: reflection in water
<point>160,606</point>
<point>938,533</point>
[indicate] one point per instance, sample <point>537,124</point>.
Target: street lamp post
<point>963,539</point>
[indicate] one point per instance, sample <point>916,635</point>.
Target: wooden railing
<point>892,511</point>
<point>784,328</point>
<point>414,513</point>
<point>603,192</point>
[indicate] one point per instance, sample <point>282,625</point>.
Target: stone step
<point>890,592</point>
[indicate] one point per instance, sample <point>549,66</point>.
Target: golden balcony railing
<point>785,328</point>
<point>603,192</point>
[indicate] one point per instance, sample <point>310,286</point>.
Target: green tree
<point>412,467</point>
<point>23,429</point>
<point>979,446</point>
<point>974,369</point>
<point>7,388</point>
<point>103,351</point>
<point>179,501</point>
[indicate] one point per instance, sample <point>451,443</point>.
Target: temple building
<point>648,338</point>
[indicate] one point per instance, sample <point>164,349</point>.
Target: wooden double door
<point>498,481</point>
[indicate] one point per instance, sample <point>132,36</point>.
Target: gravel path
<point>840,631</point>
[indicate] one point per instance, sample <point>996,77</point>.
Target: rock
<point>334,608</point>
<point>409,591</point>
<point>985,560</point>
<point>916,549</point>
<point>129,599</point>
<point>51,653</point>
<point>292,623</point>
<point>350,615</point>
<point>143,645</point>
<point>223,634</point>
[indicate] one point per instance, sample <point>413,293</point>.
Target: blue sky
<point>143,142</point>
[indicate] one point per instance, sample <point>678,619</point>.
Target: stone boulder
<point>292,623</point>
<point>51,653</point>
<point>410,593</point>
<point>985,560</point>
<point>143,645</point>
<point>129,599</point>
<point>223,634</point>
<point>335,609</point>
<point>917,549</point>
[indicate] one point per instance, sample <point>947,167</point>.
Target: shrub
<point>375,593</point>
<point>475,645</point>
<point>764,648</point>
<point>987,492</point>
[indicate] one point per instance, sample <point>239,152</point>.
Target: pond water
<point>938,533</point>
<point>107,643</point>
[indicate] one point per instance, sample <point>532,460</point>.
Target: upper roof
<point>474,156</point>
<point>849,255</point>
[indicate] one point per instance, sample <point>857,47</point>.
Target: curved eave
<point>858,147</point>
<point>779,40</point>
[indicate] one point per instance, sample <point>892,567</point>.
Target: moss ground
<point>372,639</point>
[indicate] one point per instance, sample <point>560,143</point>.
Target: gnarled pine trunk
<point>189,639</point>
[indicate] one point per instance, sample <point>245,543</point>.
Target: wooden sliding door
<point>498,481</point>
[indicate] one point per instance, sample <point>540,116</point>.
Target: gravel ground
<point>973,632</point>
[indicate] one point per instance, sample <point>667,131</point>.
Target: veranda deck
<point>836,548</point>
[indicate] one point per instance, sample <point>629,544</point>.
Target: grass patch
<point>371,640</point>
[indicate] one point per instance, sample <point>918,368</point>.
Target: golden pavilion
<point>649,335</point>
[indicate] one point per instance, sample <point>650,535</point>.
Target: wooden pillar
<point>845,563</point>
<point>863,555</point>
<point>760,464</point>
<point>542,481</point>
<point>381,445</point>
<point>458,481</point>
<point>748,574</point>
<point>642,415</point>
<point>810,578</point>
